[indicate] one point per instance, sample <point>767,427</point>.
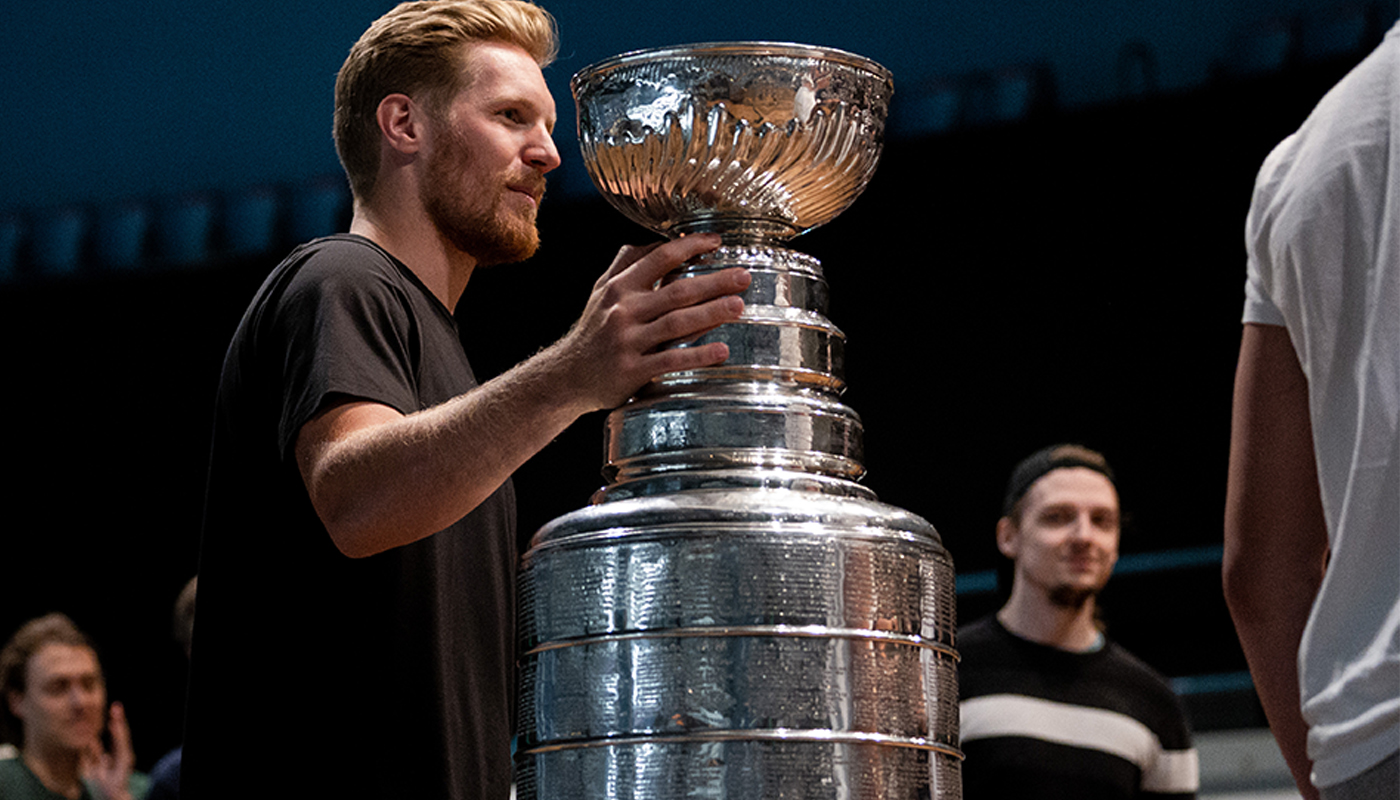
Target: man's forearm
<point>1270,610</point>
<point>382,479</point>
<point>1275,531</point>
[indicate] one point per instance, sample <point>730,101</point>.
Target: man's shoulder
<point>1129,684</point>
<point>340,245</point>
<point>339,260</point>
<point>10,770</point>
<point>317,267</point>
<point>991,660</point>
<point>987,641</point>
<point>1134,669</point>
<point>18,783</point>
<point>981,632</point>
<point>343,275</point>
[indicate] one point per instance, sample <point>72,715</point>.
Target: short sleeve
<point>343,332</point>
<point>1258,306</point>
<point>1259,303</point>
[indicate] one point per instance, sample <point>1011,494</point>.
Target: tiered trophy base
<point>736,616</point>
<point>738,643</point>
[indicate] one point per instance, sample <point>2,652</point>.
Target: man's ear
<point>1008,538</point>
<point>402,122</point>
<point>13,699</point>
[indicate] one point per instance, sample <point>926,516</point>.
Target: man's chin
<point>509,252</point>
<point>76,741</point>
<point>1072,597</point>
<point>501,245</point>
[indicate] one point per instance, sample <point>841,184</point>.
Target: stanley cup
<point>736,615</point>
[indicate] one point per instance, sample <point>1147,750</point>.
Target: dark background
<point>1074,274</point>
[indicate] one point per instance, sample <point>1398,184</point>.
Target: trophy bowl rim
<point>738,47</point>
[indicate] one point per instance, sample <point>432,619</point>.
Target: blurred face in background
<point>1065,541</point>
<point>63,705</point>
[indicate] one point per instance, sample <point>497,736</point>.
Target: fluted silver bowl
<point>760,141</point>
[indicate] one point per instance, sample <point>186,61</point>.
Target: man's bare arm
<point>1275,532</point>
<point>379,479</point>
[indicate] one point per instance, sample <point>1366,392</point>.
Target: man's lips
<point>533,190</point>
<point>1083,562</point>
<point>82,727</point>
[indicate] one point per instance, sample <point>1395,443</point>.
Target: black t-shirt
<point>314,674</point>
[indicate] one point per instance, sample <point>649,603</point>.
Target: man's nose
<point>1081,528</point>
<point>542,154</point>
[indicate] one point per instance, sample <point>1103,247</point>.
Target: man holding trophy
<point>355,636</point>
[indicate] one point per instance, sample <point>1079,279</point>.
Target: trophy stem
<point>774,404</point>
<point>737,230</point>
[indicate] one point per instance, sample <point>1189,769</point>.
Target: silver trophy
<point>735,615</point>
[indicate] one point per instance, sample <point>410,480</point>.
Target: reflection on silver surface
<point>736,616</point>
<point>774,139</point>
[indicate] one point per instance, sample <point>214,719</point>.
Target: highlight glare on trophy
<point>757,141</point>
<point>735,615</point>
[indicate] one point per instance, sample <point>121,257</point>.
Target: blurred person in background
<point>165,775</point>
<point>55,708</point>
<point>1050,707</point>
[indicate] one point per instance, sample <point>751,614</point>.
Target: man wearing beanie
<point>1050,707</point>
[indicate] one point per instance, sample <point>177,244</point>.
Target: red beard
<point>479,222</point>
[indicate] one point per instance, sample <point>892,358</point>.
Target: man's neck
<point>58,771</point>
<point>413,241</point>
<point>1040,620</point>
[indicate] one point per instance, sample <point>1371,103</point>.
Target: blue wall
<point>105,101</point>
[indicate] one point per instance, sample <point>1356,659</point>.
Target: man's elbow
<point>1241,584</point>
<point>1260,586</point>
<point>358,523</point>
<point>352,540</point>
<point>352,546</point>
<point>357,527</point>
<point>359,531</point>
<point>1248,573</point>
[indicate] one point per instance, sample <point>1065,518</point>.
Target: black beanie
<point>1054,457</point>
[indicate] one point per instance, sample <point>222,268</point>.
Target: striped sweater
<point>1042,722</point>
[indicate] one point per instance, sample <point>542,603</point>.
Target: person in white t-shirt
<point>1312,525</point>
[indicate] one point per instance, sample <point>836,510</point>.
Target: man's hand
<point>110,773</point>
<point>623,338</point>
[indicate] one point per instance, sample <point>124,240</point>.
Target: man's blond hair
<point>416,49</point>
